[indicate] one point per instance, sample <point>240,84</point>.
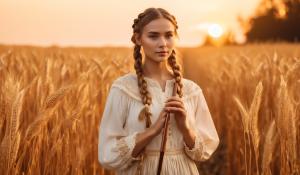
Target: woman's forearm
<point>143,139</point>
<point>189,137</point>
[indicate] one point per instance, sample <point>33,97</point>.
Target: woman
<point>136,107</point>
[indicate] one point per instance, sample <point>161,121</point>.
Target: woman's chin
<point>161,59</point>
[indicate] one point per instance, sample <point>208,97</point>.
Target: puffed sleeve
<point>115,143</point>
<point>207,139</point>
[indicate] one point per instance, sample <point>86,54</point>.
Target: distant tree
<point>274,20</point>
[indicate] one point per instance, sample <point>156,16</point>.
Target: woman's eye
<point>169,35</point>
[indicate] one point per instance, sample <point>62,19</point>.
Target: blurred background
<point>108,23</point>
<point>58,60</point>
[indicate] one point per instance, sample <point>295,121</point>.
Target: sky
<point>108,23</point>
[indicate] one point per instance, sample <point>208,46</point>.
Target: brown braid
<point>143,19</point>
<point>142,84</point>
<point>177,72</point>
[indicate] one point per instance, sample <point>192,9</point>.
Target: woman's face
<point>158,39</point>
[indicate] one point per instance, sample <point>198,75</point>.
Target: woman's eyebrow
<point>168,32</point>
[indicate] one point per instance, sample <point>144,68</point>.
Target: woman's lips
<point>162,53</point>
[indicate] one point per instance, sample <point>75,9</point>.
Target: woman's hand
<point>159,123</point>
<point>148,134</point>
<point>175,105</point>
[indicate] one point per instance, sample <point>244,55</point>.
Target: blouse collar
<point>155,83</point>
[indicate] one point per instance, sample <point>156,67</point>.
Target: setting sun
<point>215,30</point>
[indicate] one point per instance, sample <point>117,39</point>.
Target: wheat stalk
<point>269,147</point>
<point>45,115</point>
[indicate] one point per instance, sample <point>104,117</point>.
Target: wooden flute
<point>165,136</point>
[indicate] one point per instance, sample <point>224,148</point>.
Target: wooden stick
<point>165,136</point>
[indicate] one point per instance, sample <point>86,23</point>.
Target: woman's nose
<point>162,41</point>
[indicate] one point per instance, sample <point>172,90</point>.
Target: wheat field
<point>52,99</point>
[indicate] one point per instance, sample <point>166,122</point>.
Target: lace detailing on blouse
<point>128,83</point>
<point>124,147</point>
<point>197,151</point>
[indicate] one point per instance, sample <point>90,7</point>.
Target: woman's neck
<point>157,70</point>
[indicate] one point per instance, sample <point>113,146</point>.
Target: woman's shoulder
<point>190,88</point>
<point>128,84</point>
<point>126,78</point>
<point>190,84</point>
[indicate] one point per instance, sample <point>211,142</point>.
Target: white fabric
<point>119,126</point>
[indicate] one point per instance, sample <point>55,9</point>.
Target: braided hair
<point>143,19</point>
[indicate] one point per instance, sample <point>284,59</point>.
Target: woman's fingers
<point>173,103</point>
<point>175,109</point>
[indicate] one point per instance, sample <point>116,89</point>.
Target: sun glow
<point>215,30</point>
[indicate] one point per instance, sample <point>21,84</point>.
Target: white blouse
<point>120,125</point>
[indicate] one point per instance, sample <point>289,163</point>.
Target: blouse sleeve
<point>115,143</point>
<point>207,139</point>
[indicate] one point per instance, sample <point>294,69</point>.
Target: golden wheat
<point>52,100</point>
